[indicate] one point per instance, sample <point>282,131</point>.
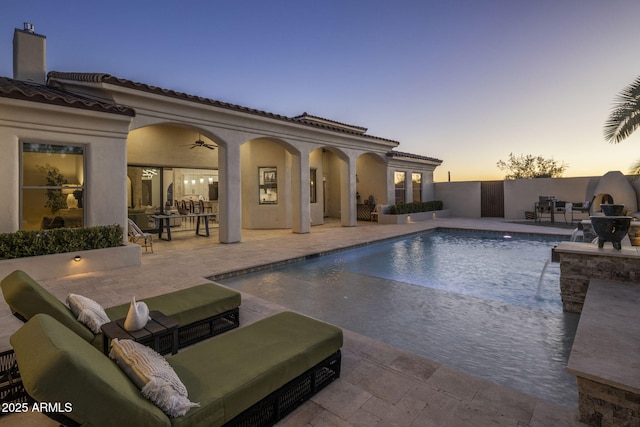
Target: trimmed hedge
<point>26,243</point>
<point>415,207</point>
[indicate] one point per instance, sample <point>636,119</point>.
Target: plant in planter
<point>55,199</point>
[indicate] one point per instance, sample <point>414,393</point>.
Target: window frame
<point>417,188</point>
<point>74,187</point>
<point>400,191</point>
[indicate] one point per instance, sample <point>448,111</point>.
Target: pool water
<point>474,301</point>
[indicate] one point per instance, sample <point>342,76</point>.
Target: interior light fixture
<point>201,180</point>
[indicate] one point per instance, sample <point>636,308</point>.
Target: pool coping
<point>280,263</point>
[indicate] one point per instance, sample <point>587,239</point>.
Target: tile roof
<point>29,91</point>
<point>308,118</point>
<point>412,156</point>
<point>109,79</point>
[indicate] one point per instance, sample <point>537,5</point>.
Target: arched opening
<point>170,166</point>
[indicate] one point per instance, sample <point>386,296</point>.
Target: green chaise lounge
<point>201,311</point>
<point>253,375</point>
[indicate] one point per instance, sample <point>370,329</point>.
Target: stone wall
<point>581,262</point>
<point>603,405</point>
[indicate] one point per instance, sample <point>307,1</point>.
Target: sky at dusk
<point>465,81</point>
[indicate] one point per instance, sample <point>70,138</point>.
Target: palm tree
<point>625,117</point>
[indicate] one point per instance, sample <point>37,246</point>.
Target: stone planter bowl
<point>612,209</point>
<point>611,229</point>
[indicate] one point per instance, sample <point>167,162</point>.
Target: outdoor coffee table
<point>159,327</point>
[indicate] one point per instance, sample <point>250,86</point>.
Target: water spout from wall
<point>540,280</point>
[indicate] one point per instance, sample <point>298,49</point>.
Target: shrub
<point>415,207</point>
<point>26,243</point>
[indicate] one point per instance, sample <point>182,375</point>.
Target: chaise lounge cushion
<point>243,366</point>
<point>227,374</point>
<point>27,298</point>
<point>188,305</point>
<point>57,365</point>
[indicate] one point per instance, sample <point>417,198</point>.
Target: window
<point>416,180</point>
<point>313,186</point>
<point>268,177</point>
<point>399,179</point>
<point>52,186</point>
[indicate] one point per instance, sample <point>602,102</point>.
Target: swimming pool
<point>470,300</point>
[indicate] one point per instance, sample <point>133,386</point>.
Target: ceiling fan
<point>200,143</point>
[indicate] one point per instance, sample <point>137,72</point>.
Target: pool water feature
<point>475,301</point>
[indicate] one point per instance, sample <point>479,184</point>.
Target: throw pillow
<point>88,312</point>
<point>153,375</point>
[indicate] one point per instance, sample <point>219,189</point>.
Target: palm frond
<point>635,168</point>
<point>625,116</point>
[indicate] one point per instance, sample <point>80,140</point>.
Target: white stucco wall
<point>520,195</point>
<point>371,175</point>
<point>254,155</point>
<point>102,134</point>
<point>462,199</point>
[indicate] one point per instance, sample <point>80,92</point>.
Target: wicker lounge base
<point>11,388</point>
<point>285,400</point>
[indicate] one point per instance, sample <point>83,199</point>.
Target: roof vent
<point>28,26</point>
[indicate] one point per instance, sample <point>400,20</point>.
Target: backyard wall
<point>463,199</point>
<point>520,195</point>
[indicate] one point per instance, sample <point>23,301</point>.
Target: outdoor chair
<point>375,214</point>
<point>584,208</point>
<point>136,234</point>
<point>543,207</point>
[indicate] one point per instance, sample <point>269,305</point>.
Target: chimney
<point>29,55</point>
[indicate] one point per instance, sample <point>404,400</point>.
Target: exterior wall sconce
<point>77,258</point>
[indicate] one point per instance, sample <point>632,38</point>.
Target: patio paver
<point>380,385</point>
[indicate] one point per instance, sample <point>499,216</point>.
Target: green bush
<point>26,243</point>
<point>415,207</point>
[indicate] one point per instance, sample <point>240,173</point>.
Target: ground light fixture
<point>77,258</point>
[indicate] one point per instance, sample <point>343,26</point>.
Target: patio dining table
<point>164,222</point>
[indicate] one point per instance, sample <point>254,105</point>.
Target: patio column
<point>348,202</point>
<point>229,206</point>
<point>301,215</point>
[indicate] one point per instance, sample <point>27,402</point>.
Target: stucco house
<point>118,148</point>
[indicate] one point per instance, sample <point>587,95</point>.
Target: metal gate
<point>492,199</point>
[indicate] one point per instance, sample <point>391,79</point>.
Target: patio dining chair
<point>543,207</point>
<point>136,234</point>
<point>375,214</point>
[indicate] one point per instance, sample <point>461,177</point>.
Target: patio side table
<point>157,330</point>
